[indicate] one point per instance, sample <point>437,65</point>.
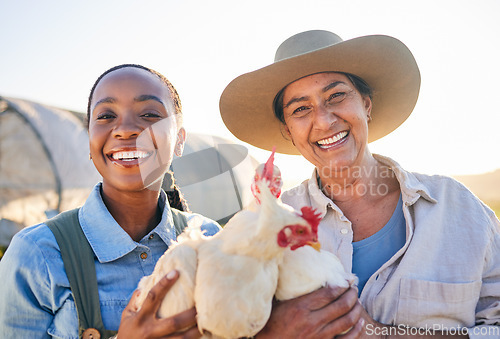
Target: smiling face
<point>327,120</point>
<point>132,129</point>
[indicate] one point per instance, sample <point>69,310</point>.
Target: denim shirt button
<point>91,333</point>
<point>144,255</point>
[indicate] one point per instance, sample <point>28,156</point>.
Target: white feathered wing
<point>306,269</point>
<point>181,256</point>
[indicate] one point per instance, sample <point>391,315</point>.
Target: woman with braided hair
<point>128,222</point>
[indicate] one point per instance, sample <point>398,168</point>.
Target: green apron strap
<point>78,259</point>
<point>180,221</point>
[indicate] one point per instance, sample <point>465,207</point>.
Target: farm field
<point>486,187</point>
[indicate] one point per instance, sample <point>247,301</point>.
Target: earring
<point>369,117</point>
<point>178,150</point>
<point>90,156</point>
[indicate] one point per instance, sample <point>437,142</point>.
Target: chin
<point>128,184</point>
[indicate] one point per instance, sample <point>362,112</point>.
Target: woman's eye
<point>151,115</point>
<point>105,116</point>
<point>336,97</point>
<point>302,110</point>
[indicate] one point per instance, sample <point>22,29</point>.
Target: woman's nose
<point>324,118</point>
<point>127,128</point>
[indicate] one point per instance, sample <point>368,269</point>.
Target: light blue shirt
<point>370,254</point>
<point>35,297</point>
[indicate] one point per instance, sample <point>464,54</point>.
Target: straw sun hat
<point>385,63</point>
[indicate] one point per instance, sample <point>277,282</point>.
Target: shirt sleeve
<point>25,310</point>
<point>488,307</point>
<point>210,226</point>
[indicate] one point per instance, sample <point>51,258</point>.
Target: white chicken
<point>238,268</point>
<point>181,256</point>
<point>234,274</point>
<point>297,276</point>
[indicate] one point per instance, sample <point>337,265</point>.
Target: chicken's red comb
<point>310,215</point>
<point>268,170</point>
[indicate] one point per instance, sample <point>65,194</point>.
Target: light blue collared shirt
<point>35,297</point>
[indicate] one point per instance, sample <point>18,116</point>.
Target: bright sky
<point>52,52</point>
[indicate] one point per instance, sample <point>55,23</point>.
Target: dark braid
<point>173,92</point>
<point>174,195</point>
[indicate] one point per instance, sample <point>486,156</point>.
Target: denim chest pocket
<point>431,303</point>
<point>65,322</point>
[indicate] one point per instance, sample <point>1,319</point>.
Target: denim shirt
<point>35,297</point>
<point>446,275</point>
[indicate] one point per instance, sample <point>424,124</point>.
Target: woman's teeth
<point>329,141</point>
<point>128,156</point>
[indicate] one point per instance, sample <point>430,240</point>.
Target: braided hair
<point>174,195</point>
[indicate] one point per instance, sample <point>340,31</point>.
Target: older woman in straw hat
<point>425,249</point>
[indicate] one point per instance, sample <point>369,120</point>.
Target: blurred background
<point>53,50</point>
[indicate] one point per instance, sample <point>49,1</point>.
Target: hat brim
<point>385,63</point>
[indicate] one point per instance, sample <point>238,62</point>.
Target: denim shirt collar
<point>411,188</point>
<point>106,237</point>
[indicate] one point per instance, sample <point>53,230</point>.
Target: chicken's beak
<point>314,244</point>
